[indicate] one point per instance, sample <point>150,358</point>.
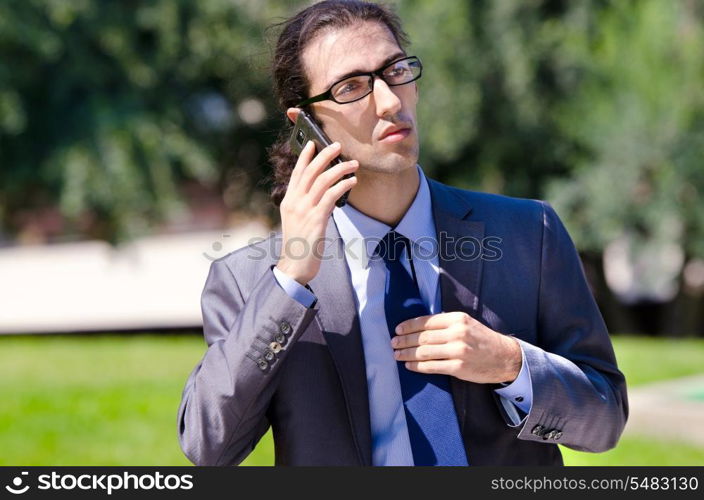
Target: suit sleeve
<point>223,409</point>
<point>579,395</point>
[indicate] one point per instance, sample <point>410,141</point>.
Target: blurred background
<point>133,138</point>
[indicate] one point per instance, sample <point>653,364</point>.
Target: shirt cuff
<point>520,391</point>
<point>303,295</point>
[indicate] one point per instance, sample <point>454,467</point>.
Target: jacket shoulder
<point>252,259</point>
<point>497,207</point>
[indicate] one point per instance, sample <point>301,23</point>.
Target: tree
<point>106,108</point>
<point>638,113</point>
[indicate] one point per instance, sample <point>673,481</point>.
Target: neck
<point>385,197</point>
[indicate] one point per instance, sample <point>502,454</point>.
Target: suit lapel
<point>339,322</point>
<point>460,277</point>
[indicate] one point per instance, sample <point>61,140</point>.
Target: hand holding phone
<point>318,182</point>
<point>304,130</point>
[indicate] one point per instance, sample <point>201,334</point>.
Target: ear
<point>292,114</point>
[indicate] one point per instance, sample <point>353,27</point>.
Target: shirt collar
<point>361,233</point>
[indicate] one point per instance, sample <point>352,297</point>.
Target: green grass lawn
<point>112,400</point>
<point>94,400</point>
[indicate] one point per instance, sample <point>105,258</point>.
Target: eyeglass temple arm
<point>311,100</point>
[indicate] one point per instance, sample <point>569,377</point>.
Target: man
<point>417,325</point>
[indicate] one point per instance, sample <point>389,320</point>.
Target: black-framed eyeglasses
<point>355,87</point>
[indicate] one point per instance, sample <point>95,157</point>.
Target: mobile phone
<point>304,130</point>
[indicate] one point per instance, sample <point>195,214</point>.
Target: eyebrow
<point>388,60</point>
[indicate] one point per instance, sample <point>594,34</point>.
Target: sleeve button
<point>280,338</point>
<point>275,347</point>
<point>538,430</point>
<point>285,327</point>
<point>269,355</point>
<point>263,365</point>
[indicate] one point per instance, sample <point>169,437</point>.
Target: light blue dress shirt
<point>361,234</point>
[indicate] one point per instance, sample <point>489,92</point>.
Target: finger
<point>432,322</point>
<point>327,202</point>
<point>424,337</point>
<point>306,156</point>
<point>317,165</point>
<point>436,366</point>
<point>330,177</point>
<point>428,352</point>
<point>412,325</point>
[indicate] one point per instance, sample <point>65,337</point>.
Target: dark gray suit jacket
<point>313,392</point>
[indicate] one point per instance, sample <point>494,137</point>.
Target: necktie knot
<point>391,246</point>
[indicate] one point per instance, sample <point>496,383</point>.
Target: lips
<point>394,133</point>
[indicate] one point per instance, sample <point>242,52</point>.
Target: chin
<point>388,167</point>
<point>391,162</point>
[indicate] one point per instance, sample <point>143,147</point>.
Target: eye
<point>398,71</point>
<point>351,88</point>
<point>348,87</point>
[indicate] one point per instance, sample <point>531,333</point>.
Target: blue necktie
<point>430,413</point>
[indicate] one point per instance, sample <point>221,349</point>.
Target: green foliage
<point>496,72</point>
<point>108,108</point>
<point>639,114</point>
<point>595,106</point>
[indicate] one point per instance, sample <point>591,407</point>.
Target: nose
<point>385,99</point>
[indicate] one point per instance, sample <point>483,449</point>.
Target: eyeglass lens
<point>356,87</point>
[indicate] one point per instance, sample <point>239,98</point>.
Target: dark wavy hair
<point>290,81</point>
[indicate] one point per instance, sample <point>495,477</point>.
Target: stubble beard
<point>391,163</point>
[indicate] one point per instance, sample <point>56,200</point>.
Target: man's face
<point>363,127</point>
